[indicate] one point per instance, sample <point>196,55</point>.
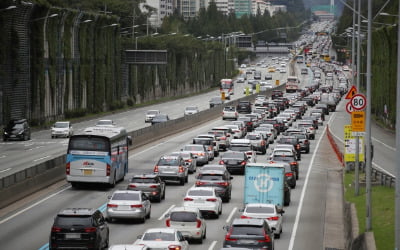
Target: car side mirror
<point>231,177</point>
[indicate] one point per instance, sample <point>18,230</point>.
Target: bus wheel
<point>113,182</point>
<point>74,184</point>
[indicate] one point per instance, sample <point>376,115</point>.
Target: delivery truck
<point>265,183</point>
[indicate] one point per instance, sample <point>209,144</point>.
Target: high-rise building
<point>243,7</point>
<point>162,8</point>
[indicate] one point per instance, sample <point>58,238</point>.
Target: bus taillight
<point>68,168</point>
<point>108,170</point>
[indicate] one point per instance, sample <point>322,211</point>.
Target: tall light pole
<point>397,202</point>
<point>368,225</point>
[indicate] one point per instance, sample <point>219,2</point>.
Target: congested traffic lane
<point>42,147</point>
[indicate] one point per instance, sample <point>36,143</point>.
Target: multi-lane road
<point>28,226</point>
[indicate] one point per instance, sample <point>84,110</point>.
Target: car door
<point>146,203</point>
<point>182,241</point>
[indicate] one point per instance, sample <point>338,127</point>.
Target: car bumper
<point>204,208</point>
<point>235,169</point>
<point>136,214</point>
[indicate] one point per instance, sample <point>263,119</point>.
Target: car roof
<point>259,205</point>
<point>240,141</point>
<point>77,211</point>
<point>212,171</point>
<point>201,188</point>
<point>161,229</point>
<point>257,222</point>
<point>127,192</point>
<point>145,176</point>
<point>185,209</point>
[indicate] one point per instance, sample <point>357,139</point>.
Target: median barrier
<point>25,182</point>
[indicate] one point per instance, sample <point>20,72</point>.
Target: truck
<point>292,84</point>
<point>329,100</point>
<point>227,88</point>
<point>264,183</point>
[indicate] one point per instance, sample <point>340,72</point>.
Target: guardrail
<point>25,182</point>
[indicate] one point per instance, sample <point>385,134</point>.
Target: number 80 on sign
<point>358,102</point>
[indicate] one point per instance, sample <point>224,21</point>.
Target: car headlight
<point>21,132</point>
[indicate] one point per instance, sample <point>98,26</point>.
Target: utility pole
<point>397,196</point>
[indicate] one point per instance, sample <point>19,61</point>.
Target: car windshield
<point>247,230</point>
<point>168,161</point>
<point>143,180</point>
<point>159,236</point>
<point>217,133</point>
<point>61,125</point>
<point>152,112</point>
<point>125,197</point>
<point>210,177</point>
<point>215,99</point>
<point>200,193</point>
<point>183,216</point>
<point>267,210</point>
<point>233,155</point>
<point>17,126</point>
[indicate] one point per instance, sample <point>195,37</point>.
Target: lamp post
<point>8,8</point>
<point>397,202</point>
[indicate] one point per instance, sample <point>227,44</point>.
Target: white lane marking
<point>3,156</point>
<point>5,170</point>
<point>28,144</point>
<point>166,212</point>
<point>303,191</point>
<point>42,158</point>
<point>182,135</point>
<point>212,245</point>
<point>389,147</point>
<point>231,215</point>
<point>33,205</point>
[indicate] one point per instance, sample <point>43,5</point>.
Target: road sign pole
<point>357,168</point>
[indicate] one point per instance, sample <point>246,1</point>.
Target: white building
<point>162,8</point>
<point>258,4</point>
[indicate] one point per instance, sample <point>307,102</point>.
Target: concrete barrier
<point>23,183</point>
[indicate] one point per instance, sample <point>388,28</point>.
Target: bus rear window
<point>88,143</point>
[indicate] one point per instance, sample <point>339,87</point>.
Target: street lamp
<point>45,17</point>
<point>9,8</point>
<point>387,14</point>
<point>111,25</point>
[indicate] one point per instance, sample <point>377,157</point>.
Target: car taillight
<point>293,163</point>
<point>298,146</point>
<point>243,163</point>
<point>181,169</point>
<point>188,199</point>
<point>201,154</point>
<point>221,162</point>
<point>168,222</point>
<point>249,153</point>
<point>90,230</point>
<point>108,172</point>
<point>211,199</point>
<point>174,247</point>
<point>289,174</point>
<point>137,205</point>
<point>262,143</point>
<point>273,218</point>
<point>132,185</point>
<point>56,229</point>
<point>68,168</point>
<point>188,160</point>
<point>228,237</point>
<point>198,225</point>
<point>112,205</point>
<point>222,138</point>
<point>155,169</point>
<point>266,238</point>
<point>306,141</point>
<point>153,186</point>
<point>245,217</point>
<point>224,184</point>
<point>199,183</point>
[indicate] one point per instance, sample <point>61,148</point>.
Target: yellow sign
<point>223,95</point>
<point>358,121</point>
<point>276,82</point>
<point>247,90</point>
<point>257,88</point>
<point>350,146</point>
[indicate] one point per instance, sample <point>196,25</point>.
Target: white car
<point>128,247</point>
<point>190,110</point>
<point>62,129</point>
<point>163,238</point>
<point>105,123</point>
<point>189,221</point>
<point>128,204</point>
<point>237,133</point>
<point>269,212</point>
<point>205,199</point>
<point>150,114</point>
<point>230,112</point>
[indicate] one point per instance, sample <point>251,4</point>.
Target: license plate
<point>198,201</point>
<point>246,241</point>
<point>73,236</point>
<point>87,172</point>
<point>124,207</point>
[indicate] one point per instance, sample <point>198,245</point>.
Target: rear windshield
<point>267,210</point>
<point>210,177</point>
<point>76,221</point>
<point>283,158</point>
<point>88,143</point>
<point>159,236</point>
<point>183,216</point>
<point>240,148</point>
<point>143,180</point>
<point>253,137</point>
<point>200,193</point>
<point>247,230</point>
<point>168,162</point>
<point>125,196</point>
<point>203,141</point>
<point>233,155</point>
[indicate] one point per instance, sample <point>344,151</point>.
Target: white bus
<point>99,155</point>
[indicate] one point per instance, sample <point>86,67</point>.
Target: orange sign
<point>358,121</point>
<point>351,92</point>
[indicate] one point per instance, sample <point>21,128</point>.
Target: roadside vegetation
<point>383,203</point>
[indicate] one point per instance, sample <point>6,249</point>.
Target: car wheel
<point>149,214</point>
<point>163,195</point>
<point>74,184</point>
<point>307,151</point>
<point>205,234</point>
<point>107,242</point>
<point>277,236</point>
<point>200,240</point>
<point>25,137</point>
<point>220,210</point>
<point>187,179</point>
<point>113,182</point>
<point>182,181</point>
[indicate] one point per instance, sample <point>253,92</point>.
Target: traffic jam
<point>253,151</point>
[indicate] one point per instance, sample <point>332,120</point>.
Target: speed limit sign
<point>358,102</point>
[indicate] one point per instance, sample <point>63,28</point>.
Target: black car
<point>276,94</point>
<point>234,161</point>
<point>249,233</point>
<point>220,179</point>
<point>291,160</point>
<point>159,119</point>
<point>17,130</point>
<point>79,228</point>
<point>150,184</point>
<point>244,107</point>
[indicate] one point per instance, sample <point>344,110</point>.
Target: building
<point>189,8</point>
<point>243,7</point>
<point>258,5</point>
<point>162,8</point>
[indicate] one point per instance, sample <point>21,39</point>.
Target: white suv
<point>189,221</point>
<point>62,129</point>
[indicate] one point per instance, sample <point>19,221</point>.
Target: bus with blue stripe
<point>98,155</point>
